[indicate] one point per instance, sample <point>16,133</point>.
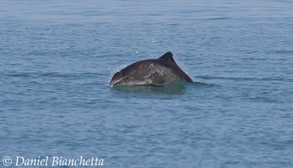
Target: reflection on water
<point>177,88</point>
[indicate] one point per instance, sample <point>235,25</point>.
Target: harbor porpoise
<point>161,71</point>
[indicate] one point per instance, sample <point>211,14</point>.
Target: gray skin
<point>161,71</point>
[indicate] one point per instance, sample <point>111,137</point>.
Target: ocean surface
<point>57,58</point>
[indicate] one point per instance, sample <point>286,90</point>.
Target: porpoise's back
<point>159,71</point>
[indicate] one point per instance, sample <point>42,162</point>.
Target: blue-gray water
<point>57,57</point>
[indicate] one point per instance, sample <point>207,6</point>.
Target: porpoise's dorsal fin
<point>168,57</point>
